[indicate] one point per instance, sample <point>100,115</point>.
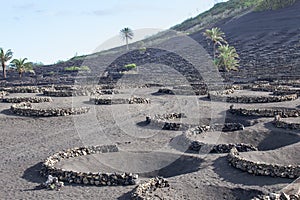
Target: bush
<point>130,66</point>
<point>75,68</point>
<point>273,4</point>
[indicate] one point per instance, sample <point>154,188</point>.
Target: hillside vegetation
<point>231,8</point>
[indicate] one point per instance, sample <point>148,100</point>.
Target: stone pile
<point>260,168</point>
<point>109,100</point>
<point>26,99</point>
<point>87,178</point>
<point>221,148</point>
<point>52,183</point>
<point>26,109</point>
<point>275,196</point>
<point>272,112</point>
<point>143,191</point>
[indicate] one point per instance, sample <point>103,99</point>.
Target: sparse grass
<point>273,4</point>
<point>75,68</point>
<point>229,9</point>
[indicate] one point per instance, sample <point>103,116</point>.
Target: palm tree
<point>126,33</point>
<point>4,58</point>
<point>23,66</point>
<point>216,36</point>
<point>228,59</point>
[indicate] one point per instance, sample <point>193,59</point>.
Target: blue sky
<point>51,30</point>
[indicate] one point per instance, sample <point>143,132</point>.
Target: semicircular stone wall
<point>270,112</point>
<point>260,168</point>
<point>110,100</point>
<point>26,109</point>
<point>87,178</point>
<point>26,99</point>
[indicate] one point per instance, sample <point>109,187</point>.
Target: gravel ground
<point>26,142</point>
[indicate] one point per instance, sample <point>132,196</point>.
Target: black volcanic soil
<point>26,142</point>
<point>268,43</point>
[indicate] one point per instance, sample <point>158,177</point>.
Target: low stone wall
<point>268,88</point>
<point>285,125</point>
<point>25,89</point>
<point>63,87</point>
<point>65,93</point>
<point>198,130</point>
<point>87,178</point>
<point>226,127</point>
<point>26,109</point>
<point>265,112</point>
<point>275,196</point>
<point>258,99</point>
<point>222,148</point>
<point>221,92</point>
<point>260,168</point>
<point>104,92</point>
<point>164,122</point>
<point>182,91</point>
<point>26,99</point>
<point>287,92</point>
<point>143,191</point>
<point>165,91</point>
<point>110,100</point>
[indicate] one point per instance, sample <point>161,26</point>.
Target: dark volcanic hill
<point>268,42</point>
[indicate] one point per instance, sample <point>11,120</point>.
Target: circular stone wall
<point>87,178</point>
<point>26,109</point>
<point>267,112</point>
<point>263,168</point>
<point>26,99</point>
<point>111,100</point>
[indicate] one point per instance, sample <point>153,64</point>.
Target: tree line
<point>21,64</point>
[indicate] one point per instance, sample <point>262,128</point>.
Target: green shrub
<point>84,68</point>
<point>130,66</point>
<point>143,49</point>
<point>75,68</point>
<point>227,9</point>
<point>273,4</point>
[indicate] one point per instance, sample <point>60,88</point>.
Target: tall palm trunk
<point>4,70</point>
<point>215,45</point>
<point>127,44</point>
